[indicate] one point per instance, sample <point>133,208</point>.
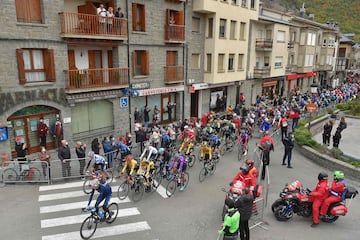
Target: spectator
<point>241,100</point>
<point>119,13</point>
<point>283,124</point>
<point>42,130</point>
<point>140,137</point>
<point>65,156</point>
<point>136,115</point>
<point>95,146</point>
<point>230,226</point>
<point>295,116</point>
<point>21,149</point>
<point>288,147</point>
<point>110,16</point>
<point>80,150</point>
<point>170,107</point>
<point>327,132</point>
<point>44,157</point>
<point>57,131</point>
<point>244,204</point>
<point>146,116</point>
<point>108,150</point>
<point>101,12</point>
<point>337,136</point>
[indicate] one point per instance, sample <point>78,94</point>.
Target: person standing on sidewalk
<point>288,147</point>
<point>80,150</point>
<point>337,136</point>
<point>283,124</point>
<point>64,156</point>
<point>230,226</point>
<point>327,132</point>
<point>244,204</point>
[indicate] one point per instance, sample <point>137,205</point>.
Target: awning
<point>300,75</point>
<point>269,84</point>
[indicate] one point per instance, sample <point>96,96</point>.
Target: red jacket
<point>247,179</point>
<point>190,134</point>
<point>282,120</point>
<point>294,114</point>
<point>321,190</point>
<point>337,188</point>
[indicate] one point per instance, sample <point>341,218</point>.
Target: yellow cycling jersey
<point>145,167</point>
<point>131,166</point>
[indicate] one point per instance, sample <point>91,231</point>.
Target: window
<point>195,61</point>
<point>240,62</point>
<point>266,61</point>
<point>324,42</point>
<point>232,29</point>
<point>210,27</point>
<point>138,17</point>
<point>234,2</point>
<point>208,63</point>
<point>222,28</point>
<point>28,11</point>
<point>280,37</point>
<point>231,62</point>
<point>195,24</point>
<point>309,60</point>
<point>242,31</point>
<point>35,65</point>
<point>140,62</point>
<point>311,39</point>
<point>174,17</point>
<point>279,62</point>
<point>221,57</point>
<point>331,42</point>
<point>292,36</point>
<point>252,4</point>
<point>89,116</point>
<point>243,3</point>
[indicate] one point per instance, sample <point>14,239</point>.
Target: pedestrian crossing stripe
<point>76,205</point>
<point>64,186</point>
<point>55,222</point>
<point>103,232</point>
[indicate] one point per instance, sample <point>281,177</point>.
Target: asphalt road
<point>49,212</point>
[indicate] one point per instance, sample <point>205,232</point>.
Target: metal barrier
<point>257,216</point>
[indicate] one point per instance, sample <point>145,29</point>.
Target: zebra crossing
<point>61,216</point>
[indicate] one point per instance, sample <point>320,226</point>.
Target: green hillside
<point>345,12</point>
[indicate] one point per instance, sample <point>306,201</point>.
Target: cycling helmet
<point>250,163</point>
<point>266,119</point>
<point>245,169</point>
<point>322,176</point>
<point>339,175</point>
<point>186,127</point>
<point>128,157</point>
<point>243,125</point>
<point>161,150</point>
<point>146,144</point>
<point>90,153</point>
<point>94,183</point>
<point>242,131</point>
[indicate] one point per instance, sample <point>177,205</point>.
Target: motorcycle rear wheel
<point>278,208</point>
<point>330,219</point>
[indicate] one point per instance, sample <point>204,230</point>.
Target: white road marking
<point>161,190</point>
<point>103,232</point>
<point>76,205</point>
<point>64,186</point>
<point>61,221</point>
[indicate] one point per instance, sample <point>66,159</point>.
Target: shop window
<point>28,11</point>
<point>138,17</point>
<point>92,116</point>
<point>35,65</point>
<point>140,62</point>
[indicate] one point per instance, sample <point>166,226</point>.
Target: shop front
<point>300,81</point>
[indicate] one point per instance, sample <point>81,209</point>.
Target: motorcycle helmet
<point>161,150</point>
<point>250,163</point>
<point>245,169</point>
<point>322,176</point>
<point>339,175</point>
<point>230,203</point>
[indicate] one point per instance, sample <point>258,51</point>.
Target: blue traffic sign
<point>124,102</point>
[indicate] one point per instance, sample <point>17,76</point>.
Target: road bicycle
<point>107,172</point>
<point>18,171</point>
<point>242,151</point>
<point>89,225</point>
<point>208,169</point>
<point>175,182</point>
<point>228,146</point>
<point>135,187</point>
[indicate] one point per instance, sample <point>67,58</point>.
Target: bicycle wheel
<point>203,174</point>
<point>240,153</point>
<point>123,190</point>
<point>211,168</point>
<point>138,191</point>
<point>230,146</point>
<point>191,160</point>
<point>186,180</point>
<point>111,214</point>
<point>86,186</point>
<point>157,179</point>
<point>199,156</point>
<point>223,149</point>
<point>170,188</point>
<point>88,227</point>
<point>9,175</point>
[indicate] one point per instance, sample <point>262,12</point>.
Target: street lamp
<point>313,88</point>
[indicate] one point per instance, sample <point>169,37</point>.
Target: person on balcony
<point>119,13</point>
<point>110,15</point>
<point>102,13</point>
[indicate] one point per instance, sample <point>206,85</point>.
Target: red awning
<point>269,84</point>
<point>301,75</point>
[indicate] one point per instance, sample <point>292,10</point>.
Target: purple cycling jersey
<point>180,162</point>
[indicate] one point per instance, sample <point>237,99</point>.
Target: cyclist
<point>123,148</point>
<point>129,167</point>
<point>243,139</point>
<point>215,142</point>
<point>164,158</point>
<point>99,161</point>
<point>187,135</point>
<point>165,139</point>
<point>99,184</point>
<point>207,131</point>
<point>265,125</point>
<point>146,169</point>
<point>178,165</point>
<point>229,129</point>
<point>150,151</point>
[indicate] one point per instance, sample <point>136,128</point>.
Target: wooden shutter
<point>171,58</point>
<point>110,58</point>
<point>35,11</point>
<point>91,56</point>
<point>49,64</point>
<point>134,62</point>
<point>134,16</point>
<point>145,63</point>
<point>143,19</point>
<point>21,67</point>
<point>179,18</point>
<point>167,20</point>
<point>71,59</point>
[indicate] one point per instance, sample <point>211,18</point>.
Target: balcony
<point>263,44</point>
<point>174,74</point>
<point>260,72</point>
<point>174,33</point>
<point>205,6</point>
<point>79,25</point>
<point>95,79</point>
<point>289,69</point>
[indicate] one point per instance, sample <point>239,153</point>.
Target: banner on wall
<point>154,91</point>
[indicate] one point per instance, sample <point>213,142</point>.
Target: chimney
<point>302,10</point>
<point>311,16</point>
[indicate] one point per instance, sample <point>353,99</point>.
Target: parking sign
<point>124,102</point>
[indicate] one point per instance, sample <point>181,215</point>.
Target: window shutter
<point>134,16</point>
<point>20,62</point>
<point>145,62</point>
<point>21,12</point>
<point>143,19</point>
<point>49,63</point>
<point>167,20</point>
<point>179,18</point>
<point>134,62</point>
<point>35,12</point>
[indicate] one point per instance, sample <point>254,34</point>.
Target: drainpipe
<point>128,61</point>
<point>185,64</point>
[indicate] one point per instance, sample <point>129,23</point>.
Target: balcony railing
<point>88,26</point>
<point>174,74</point>
<point>175,33</point>
<point>261,71</point>
<point>96,78</point>
<point>263,44</point>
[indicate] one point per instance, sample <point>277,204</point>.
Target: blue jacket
<point>265,126</point>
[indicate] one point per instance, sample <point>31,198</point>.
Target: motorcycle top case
<point>339,210</point>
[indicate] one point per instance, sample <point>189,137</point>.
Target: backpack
<point>284,123</point>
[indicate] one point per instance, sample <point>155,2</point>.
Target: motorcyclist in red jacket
<point>246,178</point>
<point>319,194</point>
<point>338,187</point>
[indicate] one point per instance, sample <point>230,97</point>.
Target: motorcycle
<point>295,199</point>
